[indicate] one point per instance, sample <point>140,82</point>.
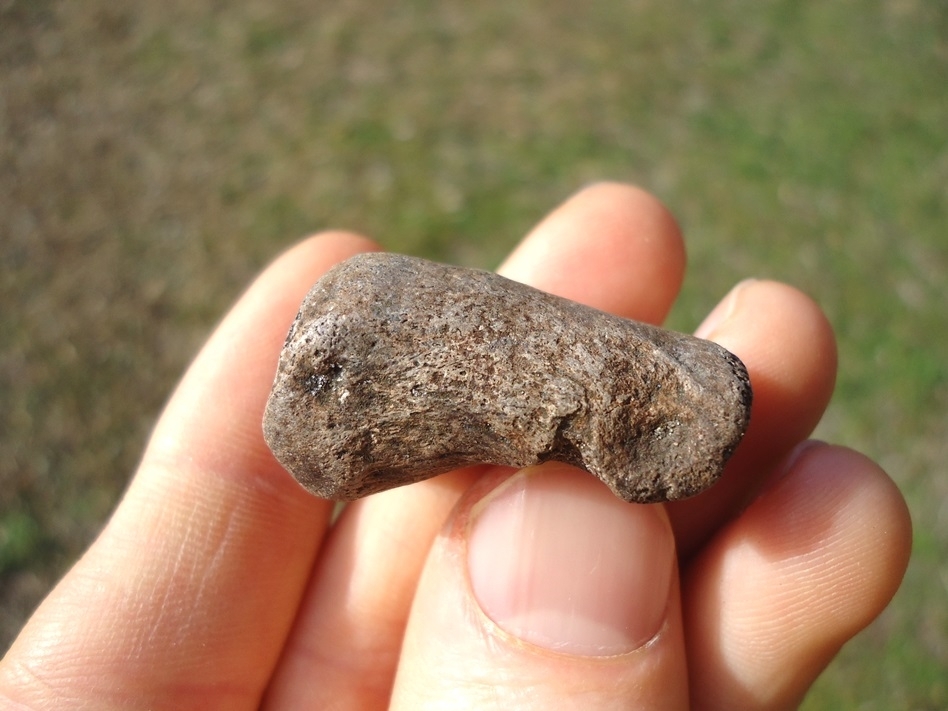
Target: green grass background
<point>153,157</point>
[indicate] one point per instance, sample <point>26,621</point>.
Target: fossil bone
<point>397,369</point>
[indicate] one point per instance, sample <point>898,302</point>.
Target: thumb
<point>546,591</point>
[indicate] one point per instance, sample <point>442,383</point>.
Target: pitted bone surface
<point>397,369</point>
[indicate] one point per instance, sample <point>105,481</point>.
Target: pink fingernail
<point>558,561</point>
<point>725,309</point>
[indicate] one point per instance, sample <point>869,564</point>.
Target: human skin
<point>219,583</point>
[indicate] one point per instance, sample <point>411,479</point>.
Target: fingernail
<point>790,461</point>
<point>558,561</point>
<point>723,311</point>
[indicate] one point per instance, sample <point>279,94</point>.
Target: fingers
<point>346,641</point>
<point>546,591</point>
<point>610,246</point>
<point>186,597</point>
<point>790,353</point>
<point>778,591</point>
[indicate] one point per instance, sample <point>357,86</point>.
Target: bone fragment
<point>397,369</point>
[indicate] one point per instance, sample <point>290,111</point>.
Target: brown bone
<point>397,369</point>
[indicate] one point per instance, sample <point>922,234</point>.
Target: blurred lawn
<point>153,158</point>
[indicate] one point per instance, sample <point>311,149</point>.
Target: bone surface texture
<point>397,369</point>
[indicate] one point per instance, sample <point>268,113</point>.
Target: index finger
<point>186,597</point>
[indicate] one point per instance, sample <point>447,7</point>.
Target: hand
<point>220,584</point>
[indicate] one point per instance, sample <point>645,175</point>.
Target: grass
<point>154,158</point>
